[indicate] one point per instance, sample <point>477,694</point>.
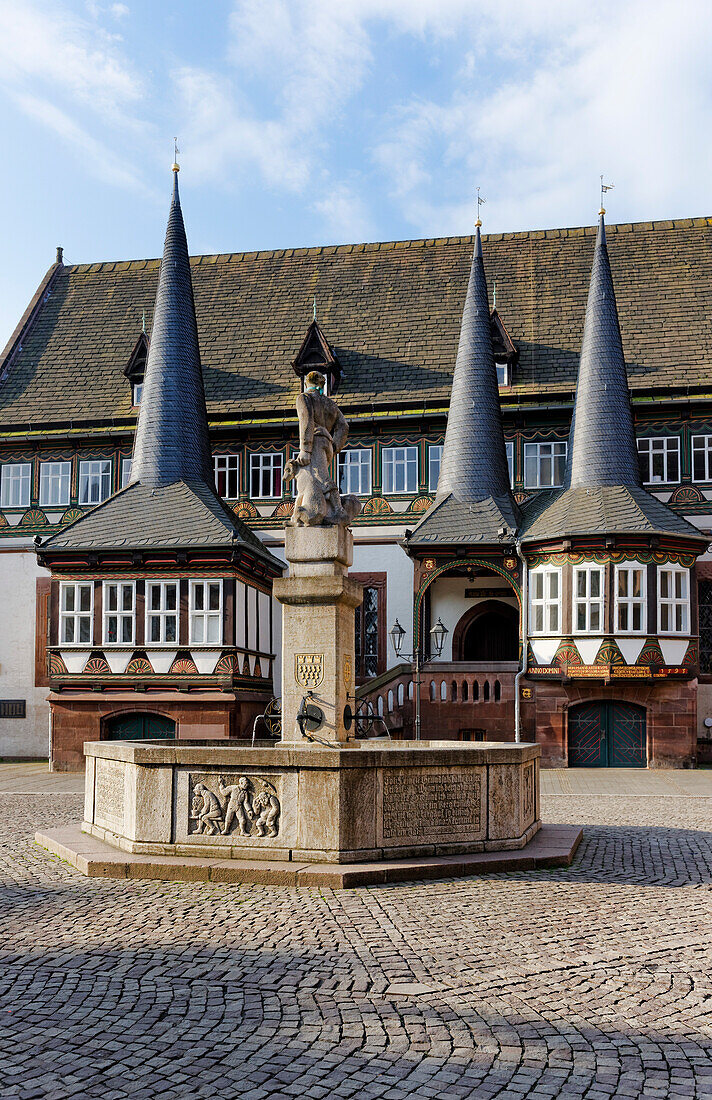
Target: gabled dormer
<point>316,353</point>
<point>506,355</point>
<point>135,369</point>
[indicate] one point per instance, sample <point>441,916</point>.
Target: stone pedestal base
<point>312,804</point>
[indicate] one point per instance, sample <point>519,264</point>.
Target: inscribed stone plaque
<point>431,804</point>
<point>109,795</point>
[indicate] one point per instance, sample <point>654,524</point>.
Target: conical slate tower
<point>172,442</point>
<point>602,492</point>
<point>474,501</point>
<point>170,500</point>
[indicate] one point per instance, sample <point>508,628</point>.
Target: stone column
<point>318,601</point>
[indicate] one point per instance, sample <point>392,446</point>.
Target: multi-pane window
<point>509,447</point>
<point>588,599</point>
<point>136,392</point>
<point>355,471</point>
<point>266,475</point>
<point>206,612</point>
<point>544,465</point>
<point>119,612</point>
<point>227,475</point>
<point>659,460</point>
<point>367,653</point>
<point>630,599</point>
<point>704,608</point>
<point>55,480</point>
<point>161,612</point>
<point>94,481</point>
<point>545,585</point>
<point>702,458</point>
<point>673,600</point>
<point>15,481</point>
<point>400,469</point>
<point>435,455</point>
<point>125,472</point>
<point>76,609</point>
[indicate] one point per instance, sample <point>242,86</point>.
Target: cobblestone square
<point>591,981</point>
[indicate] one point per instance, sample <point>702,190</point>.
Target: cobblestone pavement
<point>592,981</point>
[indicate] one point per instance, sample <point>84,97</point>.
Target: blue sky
<point>305,122</point>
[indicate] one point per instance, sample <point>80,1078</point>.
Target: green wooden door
<point>607,735</point>
<point>140,727</point>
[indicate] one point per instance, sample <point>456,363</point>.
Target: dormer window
<point>135,369</point>
<point>316,353</point>
<point>506,354</point>
<point>503,373</point>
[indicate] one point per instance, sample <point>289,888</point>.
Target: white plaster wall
<point>391,559</point>
<point>448,603</point>
<point>18,574</point>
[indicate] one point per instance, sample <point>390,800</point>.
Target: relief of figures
<point>249,807</point>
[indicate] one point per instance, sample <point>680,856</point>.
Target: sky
<point>308,122</point>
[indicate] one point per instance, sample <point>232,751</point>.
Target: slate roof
<point>140,517</point>
<point>452,521</point>
<point>602,509</point>
<point>391,312</point>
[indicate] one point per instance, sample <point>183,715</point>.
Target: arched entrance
<point>139,727</point>
<point>488,632</point>
<point>607,735</point>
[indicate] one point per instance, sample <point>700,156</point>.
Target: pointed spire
<point>474,459</point>
<point>172,442</point>
<point>602,447</point>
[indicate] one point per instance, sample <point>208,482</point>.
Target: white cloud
<point>345,215</point>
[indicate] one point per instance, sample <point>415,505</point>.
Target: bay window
<point>588,599</point>
<point>161,612</point>
<point>206,612</point>
<point>545,600</point>
<point>119,612</point>
<point>76,611</point>
<point>630,615</point>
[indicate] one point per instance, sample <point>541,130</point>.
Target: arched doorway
<point>489,632</point>
<point>607,735</point>
<point>139,727</point>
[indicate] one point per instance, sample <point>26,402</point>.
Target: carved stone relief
<point>249,806</point>
<point>528,794</point>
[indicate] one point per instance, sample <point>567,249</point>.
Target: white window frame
<point>509,448</point>
<point>546,602</point>
<point>392,458</point>
<point>647,449</point>
<point>588,602</point>
<point>355,471</point>
<point>15,482</point>
<point>125,471</point>
<point>629,601</point>
<point>229,465</point>
<point>55,476</point>
<point>90,468</point>
<point>266,462</point>
<point>202,617</point>
<point>548,450</point>
<point>504,374</point>
<point>702,446</point>
<point>674,604</point>
<point>76,614</point>
<point>162,613</point>
<point>137,392</point>
<point>435,458</point>
<point>120,614</point>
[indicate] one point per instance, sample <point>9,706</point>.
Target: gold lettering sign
<point>309,669</point>
<point>348,674</point>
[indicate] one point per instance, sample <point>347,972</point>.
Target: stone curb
<point>553,846</point>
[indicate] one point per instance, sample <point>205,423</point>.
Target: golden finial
<point>175,166</point>
<point>480,202</point>
<point>604,187</point>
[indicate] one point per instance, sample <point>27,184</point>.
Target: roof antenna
<point>604,187</point>
<point>176,166</point>
<point>480,202</point>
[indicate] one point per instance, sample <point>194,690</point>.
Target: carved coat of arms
<point>347,671</point>
<point>309,669</point>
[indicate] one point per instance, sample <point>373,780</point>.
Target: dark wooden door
<point>607,735</point>
<point>140,727</point>
<point>493,636</point>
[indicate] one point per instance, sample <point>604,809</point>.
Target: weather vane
<point>480,202</point>
<point>604,187</point>
<point>176,151</point>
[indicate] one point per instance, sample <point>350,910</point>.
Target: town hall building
<point>535,480</point>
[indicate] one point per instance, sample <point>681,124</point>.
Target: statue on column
<point>323,432</point>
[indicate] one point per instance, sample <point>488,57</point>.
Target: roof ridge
<point>97,267</point>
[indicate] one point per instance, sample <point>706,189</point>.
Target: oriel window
<point>119,612</point>
<point>630,599</point>
<point>588,599</point>
<point>161,612</point>
<point>76,609</point>
<point>545,600</point>
<point>206,612</point>
<point>673,600</point>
